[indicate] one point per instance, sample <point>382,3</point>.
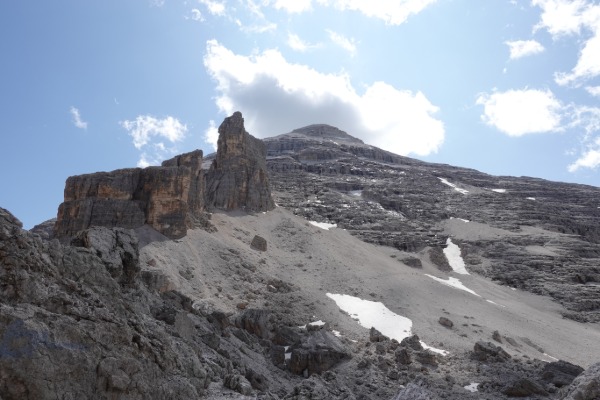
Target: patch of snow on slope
<point>373,314</point>
<point>317,323</point>
<point>531,198</point>
<point>461,219</point>
<point>472,387</point>
<point>452,252</point>
<point>452,185</point>
<point>323,225</point>
<point>356,193</point>
<point>496,304</point>
<point>453,282</point>
<point>499,190</point>
<point>439,351</point>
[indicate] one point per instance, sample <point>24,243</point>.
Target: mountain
<point>306,266</point>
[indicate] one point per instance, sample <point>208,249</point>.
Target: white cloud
<point>157,3</point>
<point>214,7</point>
<point>293,6</point>
<point>277,96</point>
<point>345,43</point>
<point>211,134</point>
<point>393,12</point>
<point>593,90</point>
<point>588,64</point>
<point>522,48</point>
<point>196,15</point>
<point>77,121</point>
<point>574,17</point>
<point>296,43</point>
<point>146,129</point>
<point>520,112</point>
<point>590,159</point>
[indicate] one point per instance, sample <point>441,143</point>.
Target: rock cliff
<point>169,198</point>
<point>173,197</point>
<point>238,175</point>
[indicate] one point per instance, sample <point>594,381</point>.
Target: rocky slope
<point>546,235</point>
<point>248,306</point>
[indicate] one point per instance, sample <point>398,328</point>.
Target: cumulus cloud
<point>589,159</point>
<point>211,134</point>
<point>296,43</point>
<point>149,133</point>
<point>77,121</point>
<point>277,96</point>
<point>345,43</point>
<point>393,12</point>
<point>574,17</point>
<point>593,90</point>
<point>522,48</point>
<point>520,112</point>
<point>214,7</point>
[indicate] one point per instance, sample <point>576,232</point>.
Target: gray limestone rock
<point>238,177</point>
<point>585,387</point>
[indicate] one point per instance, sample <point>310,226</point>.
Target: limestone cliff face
<point>237,178</point>
<point>173,197</point>
<point>168,198</point>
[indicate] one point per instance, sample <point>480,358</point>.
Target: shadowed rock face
<point>168,198</point>
<point>237,178</point>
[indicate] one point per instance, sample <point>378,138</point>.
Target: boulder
<point>585,387</point>
<point>319,351</point>
<point>259,243</point>
<point>561,373</point>
<point>487,351</point>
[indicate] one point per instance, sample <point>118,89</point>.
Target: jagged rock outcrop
<point>169,198</point>
<point>238,178</point>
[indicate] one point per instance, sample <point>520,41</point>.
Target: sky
<point>506,87</point>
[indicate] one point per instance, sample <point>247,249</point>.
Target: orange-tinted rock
<point>169,198</point>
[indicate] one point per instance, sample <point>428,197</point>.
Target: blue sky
<point>505,87</point>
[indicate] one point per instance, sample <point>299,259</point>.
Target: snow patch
<point>531,198</point>
<point>499,190</point>
<point>550,357</point>
<point>472,387</point>
<point>496,304</point>
<point>323,225</point>
<point>317,323</point>
<point>453,282</point>
<point>452,185</point>
<point>439,351</point>
<point>461,219</point>
<point>336,333</point>
<point>358,193</point>
<point>373,314</point>
<point>452,252</point>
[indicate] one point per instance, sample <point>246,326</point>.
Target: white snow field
<point>452,252</point>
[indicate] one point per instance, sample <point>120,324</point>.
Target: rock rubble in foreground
<point>81,321</point>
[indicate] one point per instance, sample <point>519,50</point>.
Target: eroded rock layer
<point>237,178</point>
<point>168,198</point>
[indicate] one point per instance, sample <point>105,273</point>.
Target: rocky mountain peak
<point>326,132</point>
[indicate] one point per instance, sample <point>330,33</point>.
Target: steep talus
<point>403,203</point>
